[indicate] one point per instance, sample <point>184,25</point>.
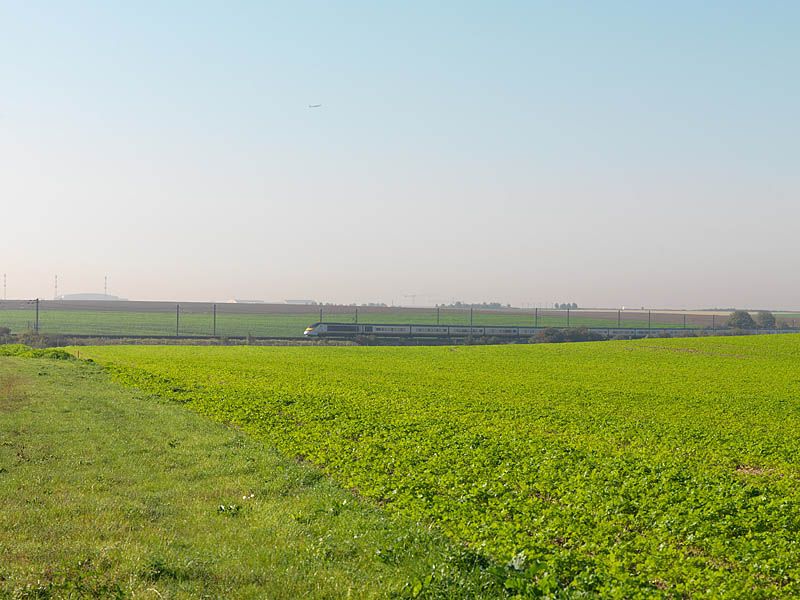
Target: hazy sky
<point>632,153</point>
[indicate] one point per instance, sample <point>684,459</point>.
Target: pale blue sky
<point>636,153</point>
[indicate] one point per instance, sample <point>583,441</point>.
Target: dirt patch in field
<point>751,470</point>
<point>13,391</point>
<point>682,350</point>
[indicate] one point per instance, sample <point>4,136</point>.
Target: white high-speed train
<point>454,331</point>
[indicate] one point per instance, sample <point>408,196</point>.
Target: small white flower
<point>518,562</point>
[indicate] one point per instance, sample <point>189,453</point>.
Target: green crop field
<point>621,469</point>
<point>192,322</point>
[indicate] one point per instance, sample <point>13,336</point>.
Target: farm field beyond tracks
<point>165,319</point>
<point>663,467</point>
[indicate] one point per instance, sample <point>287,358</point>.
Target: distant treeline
<point>474,305</point>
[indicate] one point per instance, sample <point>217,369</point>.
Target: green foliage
<point>623,469</point>
<point>14,350</point>
<point>741,319</point>
<point>25,351</point>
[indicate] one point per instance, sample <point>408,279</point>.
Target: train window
<point>343,328</point>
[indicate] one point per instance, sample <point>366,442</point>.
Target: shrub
<point>550,335</point>
<point>741,319</point>
<point>765,319</point>
<point>555,336</point>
